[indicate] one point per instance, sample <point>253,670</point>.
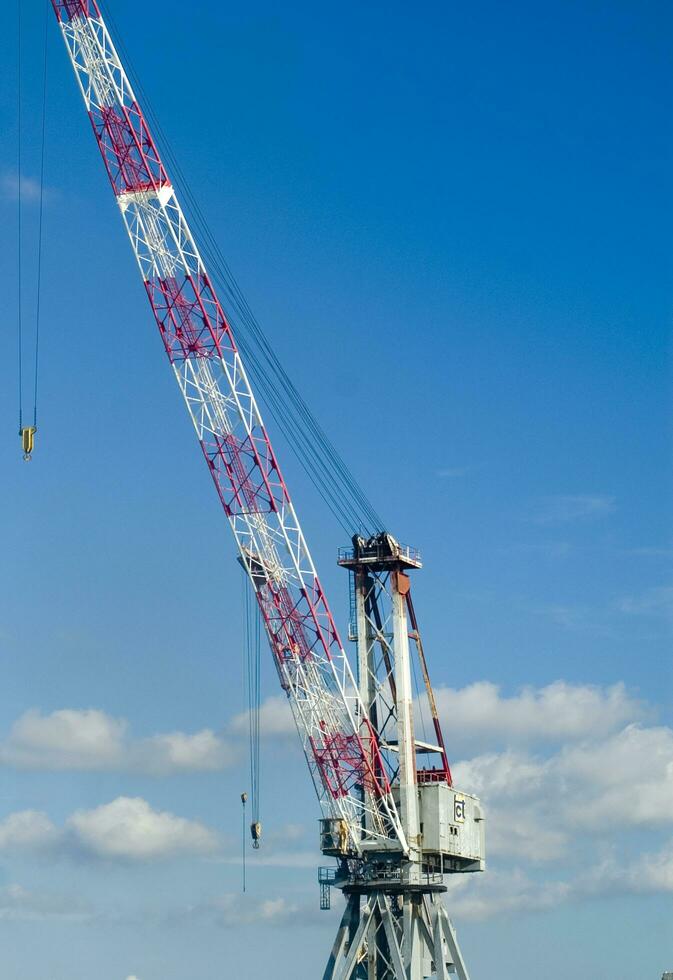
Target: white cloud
<point>563,508</point>
<point>503,893</point>
<point>179,752</point>
<point>275,718</point>
<point>93,740</point>
<point>231,911</point>
<point>556,712</point>
<point>571,766</point>
<point>27,830</point>
<point>538,808</point>
<point>19,904</point>
<point>501,774</point>
<point>281,848</point>
<point>625,780</point>
<point>596,768</point>
<point>266,858</point>
<point>129,829</point>
<point>648,873</point>
<point>507,892</point>
<point>65,739</point>
<point>515,788</point>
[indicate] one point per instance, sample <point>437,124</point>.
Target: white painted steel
<point>405,728</point>
<point>322,691</point>
<point>414,942</point>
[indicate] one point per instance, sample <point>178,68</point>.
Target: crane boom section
<point>342,747</point>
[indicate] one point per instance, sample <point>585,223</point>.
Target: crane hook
<point>28,441</point>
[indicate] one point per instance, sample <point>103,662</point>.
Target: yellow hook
<point>28,441</point>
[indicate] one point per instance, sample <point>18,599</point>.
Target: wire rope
<point>38,287</point>
<point>253,661</point>
<point>20,210</point>
<point>20,223</point>
<point>316,454</point>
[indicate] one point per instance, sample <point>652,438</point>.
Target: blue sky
<point>454,222</point>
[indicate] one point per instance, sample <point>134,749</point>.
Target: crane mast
<point>357,732</point>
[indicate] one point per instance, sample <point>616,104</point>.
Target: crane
<point>394,828</point>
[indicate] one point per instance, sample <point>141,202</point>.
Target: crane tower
<point>394,825</point>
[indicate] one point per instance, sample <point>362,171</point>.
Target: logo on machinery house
<point>459,809</point>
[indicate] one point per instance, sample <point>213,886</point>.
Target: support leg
<point>382,941</point>
<point>391,937</point>
<point>343,969</point>
<point>452,943</point>
<point>346,927</point>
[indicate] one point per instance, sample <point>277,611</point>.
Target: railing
<point>424,776</point>
<point>353,614</point>
<point>326,878</point>
<point>403,551</point>
<point>391,876</point>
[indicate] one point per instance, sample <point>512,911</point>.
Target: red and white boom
<point>394,828</point>
<point>341,745</point>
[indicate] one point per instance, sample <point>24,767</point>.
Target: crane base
<point>406,936</point>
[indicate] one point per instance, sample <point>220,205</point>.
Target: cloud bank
<point>567,772</point>
<point>127,830</point>
<point>556,712</point>
<point>93,740</point>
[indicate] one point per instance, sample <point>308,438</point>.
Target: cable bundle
<point>317,455</point>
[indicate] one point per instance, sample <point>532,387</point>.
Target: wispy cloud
<point>513,892</point>
<point>18,904</point>
<point>27,187</point>
<point>607,618</point>
<point>281,849</point>
<point>566,508</point>
<point>657,601</point>
<point>652,551</point>
<point>453,472</point>
<point>275,718</point>
<point>545,549</point>
<point>577,617</point>
<point>503,894</point>
<point>282,859</point>
<point>649,873</point>
<point>229,912</point>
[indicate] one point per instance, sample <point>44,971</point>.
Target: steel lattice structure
<point>357,735</point>
<point>342,750</point>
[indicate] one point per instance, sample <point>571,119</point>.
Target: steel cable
<point>307,439</point>
<point>253,668</point>
<point>40,220</point>
<point>20,185</point>
<point>20,229</point>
